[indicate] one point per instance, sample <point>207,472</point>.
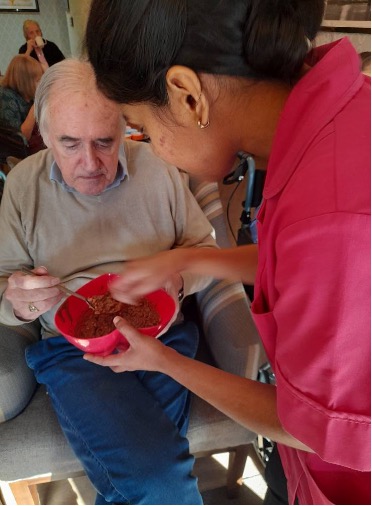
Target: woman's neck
<point>254,111</point>
<point>264,107</point>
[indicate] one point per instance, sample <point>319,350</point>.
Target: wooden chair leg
<point>237,461</point>
<point>34,493</point>
<point>23,493</point>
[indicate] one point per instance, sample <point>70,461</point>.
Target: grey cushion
<point>17,381</point>
<point>33,444</point>
<point>212,431</point>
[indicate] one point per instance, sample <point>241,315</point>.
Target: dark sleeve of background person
<point>51,52</point>
<point>23,49</point>
<point>35,142</point>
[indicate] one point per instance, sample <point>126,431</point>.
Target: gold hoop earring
<point>201,126</point>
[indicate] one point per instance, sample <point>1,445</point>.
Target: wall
<point>52,20</point>
<point>76,21</point>
<point>56,23</point>
<point>361,41</point>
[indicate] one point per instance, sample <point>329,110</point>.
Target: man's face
<point>85,132</point>
<point>33,31</point>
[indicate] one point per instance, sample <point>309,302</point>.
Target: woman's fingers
<point>142,353</point>
<point>112,361</point>
<point>118,362</point>
<point>140,277</point>
<point>131,334</point>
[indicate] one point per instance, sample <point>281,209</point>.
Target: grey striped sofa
<point>33,449</point>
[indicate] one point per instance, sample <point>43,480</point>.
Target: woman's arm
<point>144,275</point>
<point>29,123</point>
<point>250,403</point>
<point>238,263</point>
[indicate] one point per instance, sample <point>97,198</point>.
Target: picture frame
<point>19,6</point>
<point>347,14</point>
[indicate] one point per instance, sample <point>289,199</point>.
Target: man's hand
<point>32,295</point>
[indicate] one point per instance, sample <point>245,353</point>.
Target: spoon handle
<point>70,292</point>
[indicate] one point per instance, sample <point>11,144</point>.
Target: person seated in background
<point>45,51</point>
<point>17,92</point>
<point>81,208</point>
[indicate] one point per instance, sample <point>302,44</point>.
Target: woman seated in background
<point>17,92</point>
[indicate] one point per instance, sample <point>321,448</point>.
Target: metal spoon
<point>63,289</point>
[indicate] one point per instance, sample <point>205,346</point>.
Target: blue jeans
<point>127,429</point>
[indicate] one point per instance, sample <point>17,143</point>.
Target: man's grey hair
<point>27,23</point>
<point>65,78</point>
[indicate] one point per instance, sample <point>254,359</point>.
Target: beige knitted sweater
<point>78,237</point>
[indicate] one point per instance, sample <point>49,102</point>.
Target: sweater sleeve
<point>193,229</point>
<point>13,251</point>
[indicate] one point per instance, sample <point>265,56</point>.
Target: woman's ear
<point>186,96</point>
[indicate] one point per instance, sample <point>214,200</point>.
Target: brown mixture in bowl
<point>100,321</point>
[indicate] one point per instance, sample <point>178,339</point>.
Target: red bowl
<point>71,310</point>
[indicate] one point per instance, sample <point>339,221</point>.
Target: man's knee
<point>17,381</point>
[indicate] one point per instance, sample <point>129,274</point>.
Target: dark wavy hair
<point>132,43</point>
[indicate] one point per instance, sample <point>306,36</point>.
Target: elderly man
<point>72,212</point>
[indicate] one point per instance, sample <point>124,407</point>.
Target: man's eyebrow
<point>67,138</point>
<point>104,139</point>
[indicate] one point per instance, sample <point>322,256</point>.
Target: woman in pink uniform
<point>206,80</point>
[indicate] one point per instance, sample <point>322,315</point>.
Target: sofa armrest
<point>17,381</point>
<point>229,329</point>
<point>208,197</point>
<point>224,307</point>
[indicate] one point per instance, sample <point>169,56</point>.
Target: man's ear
<point>45,138</point>
<point>185,93</point>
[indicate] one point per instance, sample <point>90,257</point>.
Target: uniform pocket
<point>266,325</point>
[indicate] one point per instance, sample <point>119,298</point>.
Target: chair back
<point>12,143</point>
<point>226,318</point>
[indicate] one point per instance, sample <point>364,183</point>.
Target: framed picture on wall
<point>19,6</point>
<point>355,14</point>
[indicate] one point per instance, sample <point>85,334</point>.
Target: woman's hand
<point>173,286</point>
<point>142,276</point>
<point>32,295</point>
<point>145,353</point>
<point>147,274</point>
<point>31,44</point>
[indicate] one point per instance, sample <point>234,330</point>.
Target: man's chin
<point>93,186</point>
<point>91,189</point>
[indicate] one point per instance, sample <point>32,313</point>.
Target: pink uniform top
<point>312,291</point>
